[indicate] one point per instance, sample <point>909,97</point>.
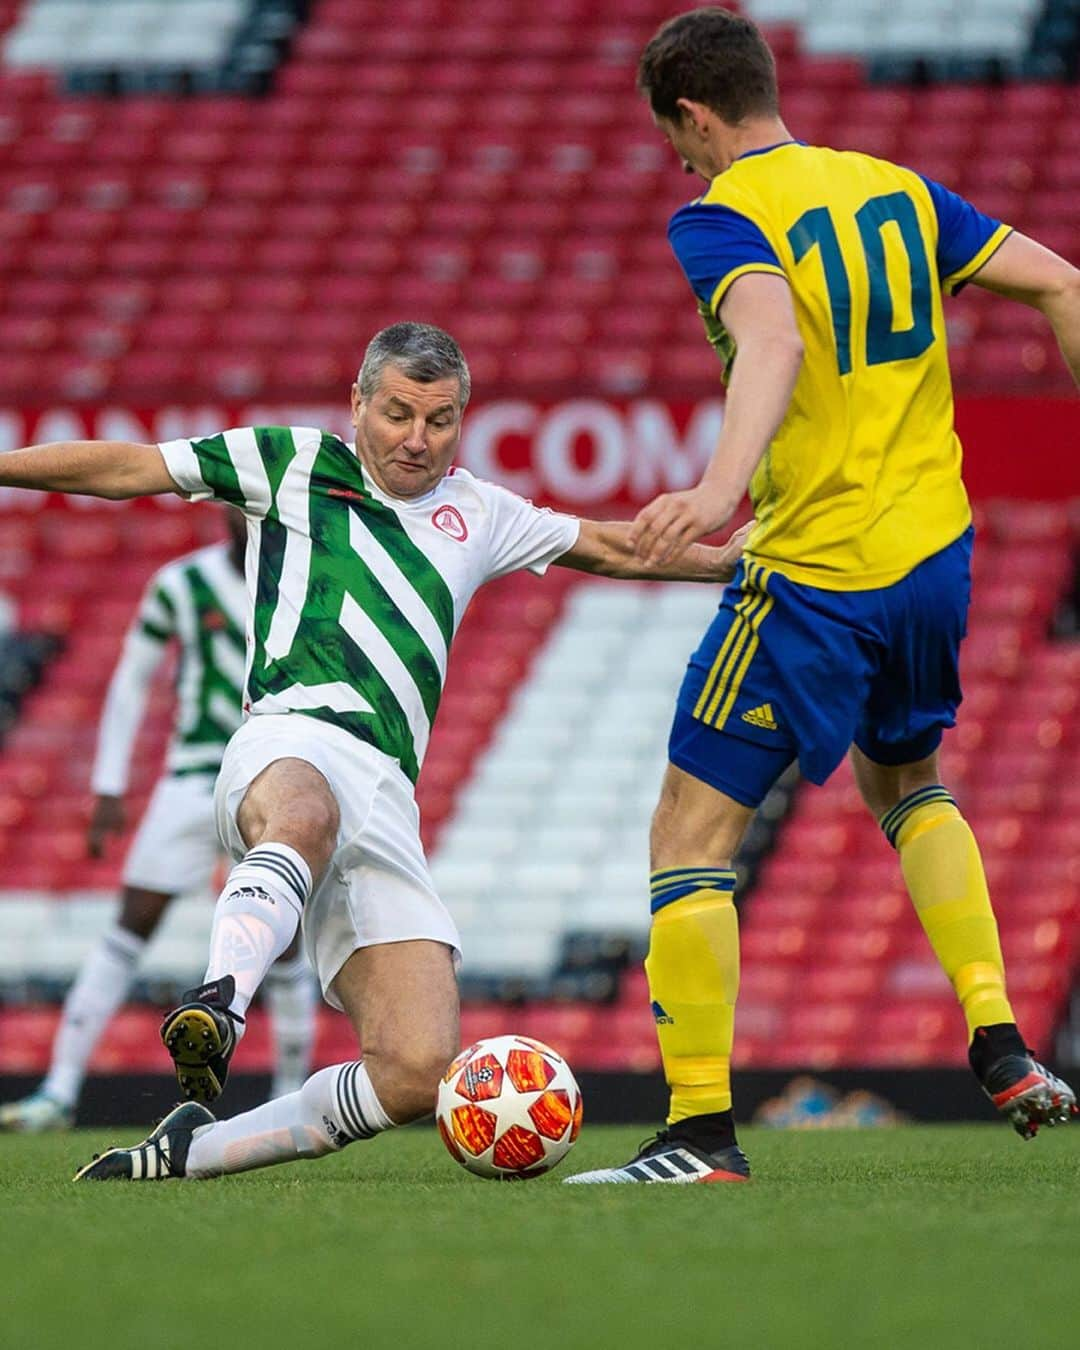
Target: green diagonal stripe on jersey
<point>217,469</point>
<point>277,450</point>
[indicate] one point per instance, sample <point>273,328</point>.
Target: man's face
<point>407,433</point>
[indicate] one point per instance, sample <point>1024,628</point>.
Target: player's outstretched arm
<point>758,313</point>
<point>113,469</point>
<point>605,547</point>
<point>1026,271</point>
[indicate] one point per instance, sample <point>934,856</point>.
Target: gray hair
<point>420,351</point>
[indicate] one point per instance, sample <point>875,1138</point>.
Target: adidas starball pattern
<point>508,1107</point>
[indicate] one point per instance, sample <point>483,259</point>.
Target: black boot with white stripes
<point>161,1155</point>
<point>674,1160</point>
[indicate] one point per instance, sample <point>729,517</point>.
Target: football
<point>509,1108</point>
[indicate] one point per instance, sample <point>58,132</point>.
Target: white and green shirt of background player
<point>356,595</point>
<point>199,600</point>
<point>195,600</point>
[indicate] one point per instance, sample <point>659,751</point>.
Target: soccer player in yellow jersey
<point>824,271</point>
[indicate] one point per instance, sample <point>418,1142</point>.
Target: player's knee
<point>316,820</point>
<point>291,802</point>
<point>407,1081</point>
<point>307,823</point>
<point>883,786</point>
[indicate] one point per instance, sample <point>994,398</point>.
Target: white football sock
<point>292,996</point>
<point>256,918</point>
<point>333,1108</point>
<point>100,988</point>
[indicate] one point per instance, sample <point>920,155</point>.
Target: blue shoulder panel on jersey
<point>963,231</point>
<point>712,241</point>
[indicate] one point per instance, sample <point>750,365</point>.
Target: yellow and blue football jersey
<point>862,481</point>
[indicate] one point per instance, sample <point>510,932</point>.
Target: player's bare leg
<point>402,1000</point>
<point>100,989</point>
<point>289,821</point>
<point>693,970</point>
<point>944,875</point>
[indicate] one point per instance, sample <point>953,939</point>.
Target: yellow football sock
<point>693,972</point>
<point>944,875</point>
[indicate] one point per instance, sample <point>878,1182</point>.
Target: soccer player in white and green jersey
<point>360,564</point>
<point>199,603</point>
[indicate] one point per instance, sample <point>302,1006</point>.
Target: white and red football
<point>508,1107</point>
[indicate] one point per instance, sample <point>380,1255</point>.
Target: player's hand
<point>107,818</point>
<point>672,522</point>
<point>731,552</point>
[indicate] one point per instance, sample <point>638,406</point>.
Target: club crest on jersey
<point>450,520</point>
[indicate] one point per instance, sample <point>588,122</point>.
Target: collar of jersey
<point>764,150</point>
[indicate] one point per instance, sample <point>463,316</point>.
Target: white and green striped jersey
<point>201,601</point>
<point>356,595</point>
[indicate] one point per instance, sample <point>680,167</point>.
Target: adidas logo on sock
<point>660,1016</point>
<point>250,893</point>
<point>761,716</point>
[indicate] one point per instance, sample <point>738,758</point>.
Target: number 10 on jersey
<point>815,229</point>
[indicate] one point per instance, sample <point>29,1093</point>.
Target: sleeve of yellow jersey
<point>966,237</point>
<point>714,246</point>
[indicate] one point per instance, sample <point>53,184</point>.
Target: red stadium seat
<point>788,1053</point>
<point>1035,102</point>
<point>993,172</point>
<point>824,1021</point>
<point>152,373</point>
<point>771,907</point>
<point>170,332</point>
<point>836,984</point>
<point>763,981</point>
<point>868,945</point>
<point>790,943</point>
<point>945,103</point>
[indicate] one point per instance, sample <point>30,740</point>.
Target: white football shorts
<point>175,849</point>
<point>377,888</point>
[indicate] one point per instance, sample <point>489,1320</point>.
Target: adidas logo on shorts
<point>761,716</point>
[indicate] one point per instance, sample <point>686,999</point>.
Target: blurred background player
<point>823,271</point>
<point>199,600</point>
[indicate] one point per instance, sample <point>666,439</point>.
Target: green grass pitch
<point>924,1236</point>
